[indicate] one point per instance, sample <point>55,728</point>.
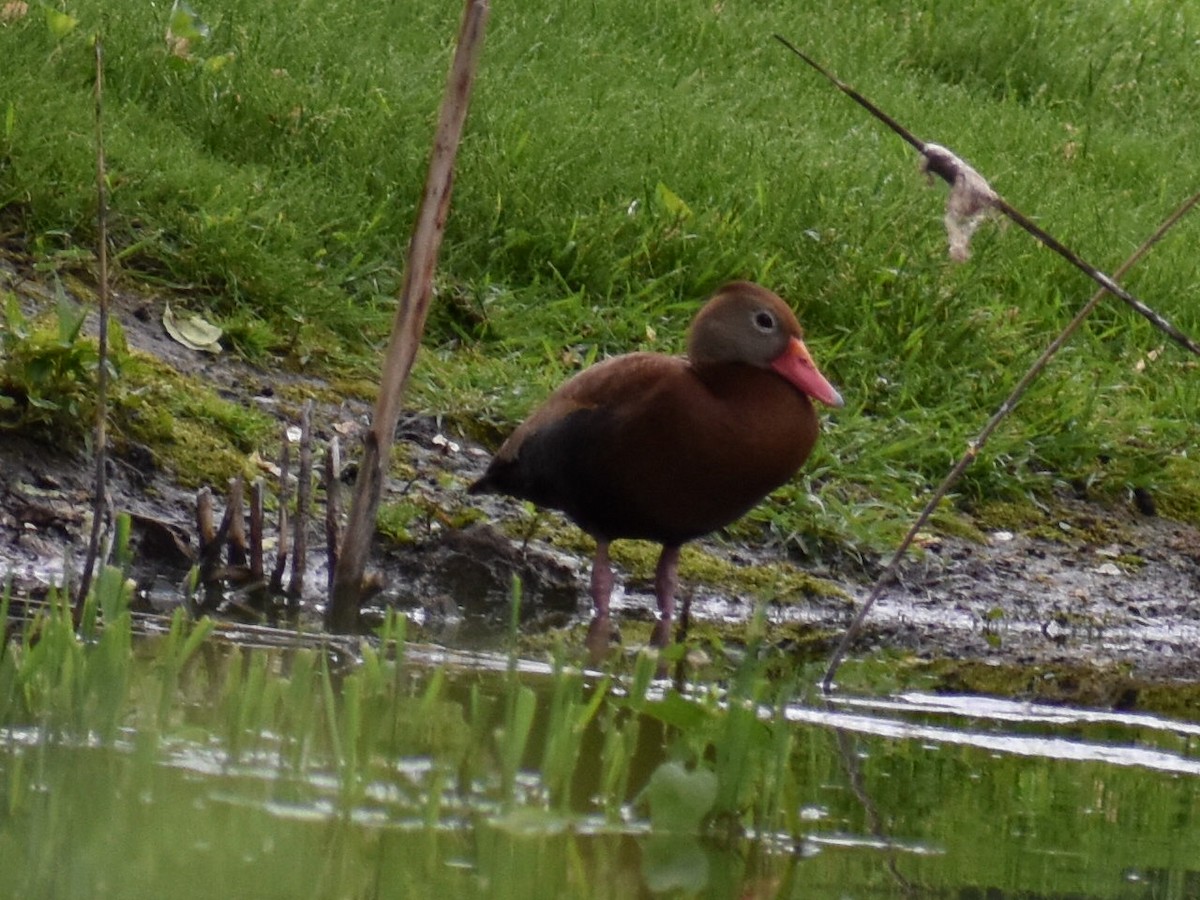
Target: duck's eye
<point>764,321</point>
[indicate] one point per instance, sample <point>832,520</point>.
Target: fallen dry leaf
<point>193,332</point>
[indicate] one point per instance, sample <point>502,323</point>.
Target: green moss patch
<point>191,430</point>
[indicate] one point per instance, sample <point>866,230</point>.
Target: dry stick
<point>258,591</point>
<point>333,505</point>
<point>954,171</point>
<point>275,587</point>
<point>205,529</point>
<point>236,542</point>
<point>303,505</point>
<point>211,538</point>
<point>409,323</point>
<point>100,487</point>
<point>973,447</point>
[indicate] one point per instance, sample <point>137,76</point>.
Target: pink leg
<point>602,580</point>
<point>600,633</point>
<point>666,579</point>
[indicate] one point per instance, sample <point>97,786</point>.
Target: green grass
<point>621,160</point>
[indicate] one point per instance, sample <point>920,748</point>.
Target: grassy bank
<point>623,159</point>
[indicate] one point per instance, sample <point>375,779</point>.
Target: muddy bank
<point>1091,589</point>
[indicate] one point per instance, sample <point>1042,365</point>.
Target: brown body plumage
<point>670,448</point>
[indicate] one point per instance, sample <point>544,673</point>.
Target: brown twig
<point>100,443</point>
<point>333,506</point>
<point>960,176</point>
<point>974,446</point>
<point>415,294</point>
<point>237,551</point>
<point>258,593</point>
<point>303,505</point>
<point>211,538</point>
<point>275,586</point>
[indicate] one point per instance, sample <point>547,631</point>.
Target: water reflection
<point>902,795</point>
<point>985,714</point>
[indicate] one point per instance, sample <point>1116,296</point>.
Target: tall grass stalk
<point>572,710</point>
<point>100,432</point>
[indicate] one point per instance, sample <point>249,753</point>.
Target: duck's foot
<point>602,580</point>
<point>601,637</point>
<point>661,636</point>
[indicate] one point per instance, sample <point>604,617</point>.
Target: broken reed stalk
<point>333,505</point>
<point>973,192</point>
<point>275,586</point>
<point>974,446</point>
<point>303,506</point>
<point>244,566</point>
<point>100,441</point>
<point>348,585</point>
<point>258,592</point>
<point>238,552</point>
<point>210,538</point>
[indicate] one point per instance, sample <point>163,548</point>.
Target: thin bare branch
<point>974,446</point>
<point>258,593</point>
<point>409,324</point>
<point>100,441</point>
<point>237,551</point>
<point>275,585</point>
<point>303,505</point>
<point>333,505</point>
<point>943,163</point>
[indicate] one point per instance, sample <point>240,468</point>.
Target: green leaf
<point>71,316</point>
<point>672,202</point>
<point>676,710</point>
<point>60,23</point>
<point>680,799</point>
<point>14,320</point>
<point>38,369</point>
<point>110,593</point>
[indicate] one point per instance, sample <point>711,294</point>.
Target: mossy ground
<point>268,178</point>
<point>195,434</point>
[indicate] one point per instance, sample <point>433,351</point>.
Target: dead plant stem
<point>100,440</point>
<point>974,446</point>
<point>946,167</point>
<point>409,323</point>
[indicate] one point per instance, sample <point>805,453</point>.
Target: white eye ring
<point>764,321</point>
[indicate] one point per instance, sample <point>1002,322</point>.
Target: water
<point>894,796</point>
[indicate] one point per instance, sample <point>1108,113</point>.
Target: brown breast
<point>650,446</point>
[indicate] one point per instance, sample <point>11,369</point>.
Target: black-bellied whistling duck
<point>669,448</point>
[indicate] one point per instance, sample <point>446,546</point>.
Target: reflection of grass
<point>269,771</point>
<point>480,738</point>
